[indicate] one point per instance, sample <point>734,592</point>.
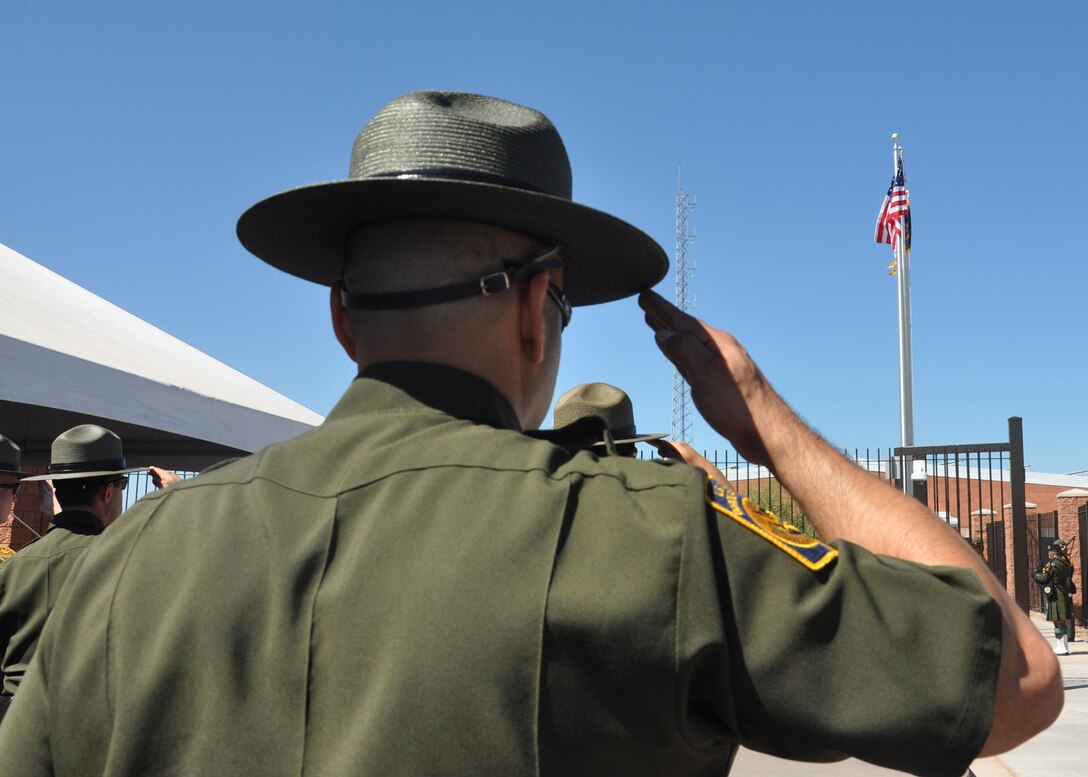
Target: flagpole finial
<point>895,137</point>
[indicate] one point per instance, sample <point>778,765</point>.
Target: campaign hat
<point>464,157</point>
<point>603,401</point>
<point>86,451</point>
<point>11,458</point>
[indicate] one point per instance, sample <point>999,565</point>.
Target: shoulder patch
<point>808,550</point>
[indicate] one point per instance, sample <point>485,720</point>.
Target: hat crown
<point>599,400</point>
<point>86,448</point>
<point>10,455</point>
<point>465,137</point>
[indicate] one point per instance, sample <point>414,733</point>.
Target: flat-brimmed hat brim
<point>82,475</point>
<point>639,438</point>
<point>16,472</point>
<point>304,231</point>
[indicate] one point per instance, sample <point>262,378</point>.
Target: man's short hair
<point>79,492</point>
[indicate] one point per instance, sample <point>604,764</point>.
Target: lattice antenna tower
<point>683,412</point>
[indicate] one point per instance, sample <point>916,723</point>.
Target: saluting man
<point>418,587</point>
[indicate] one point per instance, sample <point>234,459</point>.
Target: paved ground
<point>1060,750</point>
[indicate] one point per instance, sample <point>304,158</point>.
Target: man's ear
<point>534,330</point>
<point>341,325</point>
<point>105,493</point>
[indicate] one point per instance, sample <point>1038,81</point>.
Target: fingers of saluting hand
<point>685,340</point>
<point>662,315</point>
<point>723,378</point>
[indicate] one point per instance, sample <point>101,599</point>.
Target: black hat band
<point>101,465</point>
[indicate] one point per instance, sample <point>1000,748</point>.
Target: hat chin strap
<point>492,283</point>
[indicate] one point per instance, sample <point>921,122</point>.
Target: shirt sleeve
<point>820,652</point>
<point>24,735</point>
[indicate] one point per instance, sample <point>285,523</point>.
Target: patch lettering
<point>808,550</point>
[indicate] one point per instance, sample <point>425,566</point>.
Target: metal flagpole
<point>906,377</point>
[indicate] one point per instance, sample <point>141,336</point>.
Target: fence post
<point>1019,517</point>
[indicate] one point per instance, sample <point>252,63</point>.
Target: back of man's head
<point>412,254</point>
<point>443,188</point>
<point>81,492</point>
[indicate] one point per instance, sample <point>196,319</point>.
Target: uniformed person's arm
<point>24,735</point>
<point>843,501</point>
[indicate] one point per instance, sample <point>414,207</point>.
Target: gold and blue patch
<point>789,539</point>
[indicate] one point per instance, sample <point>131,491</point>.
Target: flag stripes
<point>895,211</point>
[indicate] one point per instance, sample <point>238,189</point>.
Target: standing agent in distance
<point>600,418</point>
<point>10,477</point>
<point>87,467</point>
<point>612,408</point>
<point>1056,578</point>
<point>417,587</point>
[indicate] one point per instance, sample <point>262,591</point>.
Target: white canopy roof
<point>70,357</point>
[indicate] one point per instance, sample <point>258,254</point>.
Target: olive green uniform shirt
<point>418,588</point>
<point>1056,577</point>
<point>30,582</point>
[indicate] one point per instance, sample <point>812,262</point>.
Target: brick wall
<point>14,534</point>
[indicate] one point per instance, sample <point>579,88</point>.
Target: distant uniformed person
<point>10,477</point>
<point>1056,578</point>
<point>87,467</point>
<point>616,432</point>
<point>418,587</point>
<point>1063,552</point>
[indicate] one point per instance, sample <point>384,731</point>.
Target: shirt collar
<point>78,521</point>
<point>444,388</point>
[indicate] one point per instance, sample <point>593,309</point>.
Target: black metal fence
<point>140,484</point>
<point>995,552</point>
<point>1042,531</point>
<point>759,485</point>
<point>967,486</point>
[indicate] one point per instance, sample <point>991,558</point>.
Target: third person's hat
<point>86,451</point>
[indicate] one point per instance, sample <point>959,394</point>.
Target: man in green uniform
<point>1063,553</point>
<point>1056,577</point>
<point>418,587</point>
<point>87,466</point>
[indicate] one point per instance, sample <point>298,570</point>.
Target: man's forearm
<point>843,501</point>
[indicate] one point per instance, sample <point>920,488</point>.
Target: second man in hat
<point>88,469</point>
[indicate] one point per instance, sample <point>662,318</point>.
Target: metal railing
<point>140,484</point>
<point>971,481</point>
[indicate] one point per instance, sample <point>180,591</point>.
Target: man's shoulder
<point>634,476</point>
<point>53,543</point>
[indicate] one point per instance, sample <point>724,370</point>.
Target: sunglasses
<point>12,487</point>
<point>121,483</point>
<point>562,301</point>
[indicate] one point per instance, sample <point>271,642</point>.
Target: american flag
<point>895,211</point>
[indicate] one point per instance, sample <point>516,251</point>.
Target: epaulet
<point>789,539</point>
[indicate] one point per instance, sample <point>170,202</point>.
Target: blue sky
<point>135,134</point>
